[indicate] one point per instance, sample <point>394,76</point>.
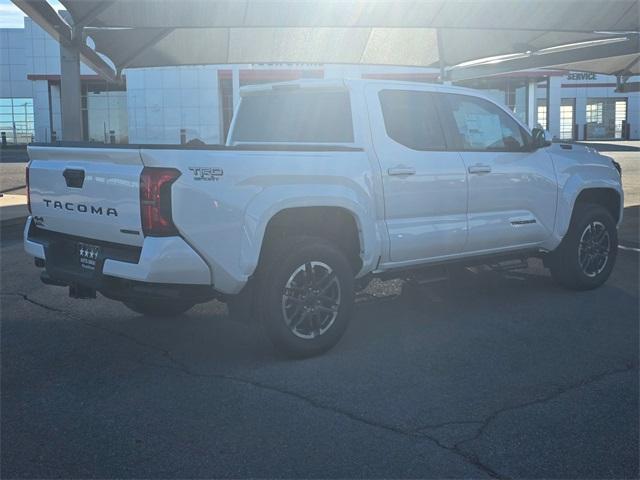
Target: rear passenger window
<point>480,125</point>
<point>302,116</point>
<point>410,119</point>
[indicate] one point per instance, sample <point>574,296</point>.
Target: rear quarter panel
<point>224,218</point>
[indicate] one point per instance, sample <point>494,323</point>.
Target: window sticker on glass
<point>484,130</point>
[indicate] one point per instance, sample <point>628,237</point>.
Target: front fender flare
<point>574,186</point>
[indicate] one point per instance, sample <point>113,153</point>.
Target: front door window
<point>483,126</point>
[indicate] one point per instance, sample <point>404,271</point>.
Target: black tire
<point>330,277</point>
<point>159,308</point>
<point>565,264</point>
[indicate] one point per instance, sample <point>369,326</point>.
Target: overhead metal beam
<point>44,15</point>
<point>96,63</point>
<point>543,60</point>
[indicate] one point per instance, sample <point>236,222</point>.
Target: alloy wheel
<point>311,300</point>
<point>593,249</point>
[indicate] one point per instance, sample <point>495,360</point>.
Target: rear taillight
<point>26,175</point>
<point>155,201</point>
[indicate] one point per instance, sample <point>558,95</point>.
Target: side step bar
<point>507,265</point>
<point>430,275</point>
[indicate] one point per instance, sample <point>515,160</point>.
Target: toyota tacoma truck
<point>321,186</point>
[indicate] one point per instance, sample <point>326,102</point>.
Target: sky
<point>12,17</point>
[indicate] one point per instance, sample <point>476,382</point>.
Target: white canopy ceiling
<point>144,33</point>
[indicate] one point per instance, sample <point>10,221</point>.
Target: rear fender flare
<point>267,204</point>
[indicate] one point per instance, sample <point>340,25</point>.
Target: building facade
<point>179,104</point>
<point>16,93</point>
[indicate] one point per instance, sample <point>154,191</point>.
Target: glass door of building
<point>620,118</point>
<point>567,118</point>
<point>541,113</point>
<point>606,118</point>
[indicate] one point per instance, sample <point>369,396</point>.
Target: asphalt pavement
<point>487,375</point>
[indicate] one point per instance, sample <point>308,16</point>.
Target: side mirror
<point>541,138</point>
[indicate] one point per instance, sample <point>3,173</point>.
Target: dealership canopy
<point>466,38</point>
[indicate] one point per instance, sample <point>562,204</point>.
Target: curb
<point>13,222</point>
<point>13,214</point>
<point>13,189</point>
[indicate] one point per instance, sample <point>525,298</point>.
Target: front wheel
<point>586,256</point>
<point>306,292</point>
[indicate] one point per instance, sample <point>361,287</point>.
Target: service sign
<point>582,76</point>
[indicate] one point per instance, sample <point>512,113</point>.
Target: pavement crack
<point>470,456</point>
<point>447,424</point>
<point>177,365</point>
<point>26,298</point>
<point>483,424</point>
<point>457,448</point>
<point>630,365</point>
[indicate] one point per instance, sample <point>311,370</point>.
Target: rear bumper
<point>164,265</point>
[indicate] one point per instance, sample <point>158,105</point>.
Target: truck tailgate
<point>87,192</point>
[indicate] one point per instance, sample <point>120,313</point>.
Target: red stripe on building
<point>587,85</point>
<point>56,78</point>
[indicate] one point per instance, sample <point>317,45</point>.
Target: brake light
<point>155,201</point>
<point>28,189</point>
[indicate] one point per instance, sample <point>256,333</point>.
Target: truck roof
<point>336,83</point>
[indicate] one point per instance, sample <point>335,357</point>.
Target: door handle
<point>479,168</point>
<point>402,171</point>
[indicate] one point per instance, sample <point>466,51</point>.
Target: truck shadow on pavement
<point>396,317</point>
<point>494,368</point>
<point>629,231</point>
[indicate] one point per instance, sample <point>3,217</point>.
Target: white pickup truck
<point>322,185</point>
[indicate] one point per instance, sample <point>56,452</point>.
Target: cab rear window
<point>301,116</point>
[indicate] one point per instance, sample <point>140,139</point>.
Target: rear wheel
<point>306,295</point>
<point>586,256</point>
<point>159,308</point>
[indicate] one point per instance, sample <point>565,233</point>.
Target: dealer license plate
<point>88,255</point>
